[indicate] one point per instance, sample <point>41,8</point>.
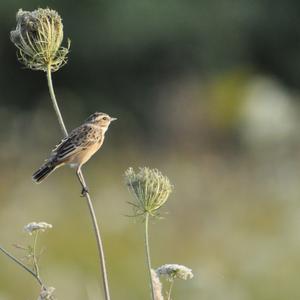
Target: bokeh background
<point>208,92</point>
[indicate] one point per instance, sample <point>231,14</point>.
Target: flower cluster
<point>47,293</point>
<point>150,189</point>
<point>34,226</point>
<point>173,271</point>
<point>38,37</point>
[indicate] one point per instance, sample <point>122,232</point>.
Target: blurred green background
<point>206,91</point>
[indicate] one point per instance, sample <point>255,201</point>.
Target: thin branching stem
<point>34,257</point>
<point>86,194</point>
<point>148,257</point>
<point>170,290</point>
<point>23,266</point>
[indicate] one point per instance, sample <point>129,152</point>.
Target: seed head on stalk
<point>150,190</point>
<point>38,37</point>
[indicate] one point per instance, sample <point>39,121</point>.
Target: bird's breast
<point>84,155</point>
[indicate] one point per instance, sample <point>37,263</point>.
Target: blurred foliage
<point>121,52</point>
<point>206,91</point>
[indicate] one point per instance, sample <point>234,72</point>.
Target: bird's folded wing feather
<point>78,140</point>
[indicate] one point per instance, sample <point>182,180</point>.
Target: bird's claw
<point>84,191</point>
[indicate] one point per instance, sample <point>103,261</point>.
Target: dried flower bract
<point>38,37</point>
<point>172,271</point>
<point>150,188</point>
<point>34,226</point>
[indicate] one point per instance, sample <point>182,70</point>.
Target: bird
<point>77,148</point>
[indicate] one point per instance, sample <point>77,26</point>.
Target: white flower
<point>172,271</point>
<point>34,226</point>
<point>46,293</point>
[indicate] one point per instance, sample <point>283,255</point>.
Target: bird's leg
<point>82,182</point>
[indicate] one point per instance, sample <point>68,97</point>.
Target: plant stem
<point>170,290</point>
<point>148,252</point>
<point>99,245</point>
<point>54,102</point>
<point>35,263</point>
<point>86,194</point>
<point>23,266</point>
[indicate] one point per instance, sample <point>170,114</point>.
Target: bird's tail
<point>43,172</point>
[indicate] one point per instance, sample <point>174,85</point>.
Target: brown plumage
<point>78,147</point>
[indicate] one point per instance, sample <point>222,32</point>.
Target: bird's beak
<point>113,119</point>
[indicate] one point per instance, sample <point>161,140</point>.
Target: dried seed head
<point>173,271</point>
<point>34,226</point>
<point>38,37</point>
<point>150,189</point>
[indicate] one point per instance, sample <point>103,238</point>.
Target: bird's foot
<point>84,191</point>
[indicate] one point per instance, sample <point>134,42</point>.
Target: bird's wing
<point>79,139</point>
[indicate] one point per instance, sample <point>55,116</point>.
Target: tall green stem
<point>86,194</point>
<point>54,102</point>
<point>22,265</point>
<point>148,257</point>
<point>99,246</point>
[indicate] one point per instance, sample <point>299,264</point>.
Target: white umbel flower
<point>173,271</point>
<point>47,293</point>
<point>36,226</point>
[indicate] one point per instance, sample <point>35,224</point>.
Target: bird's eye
<point>105,118</point>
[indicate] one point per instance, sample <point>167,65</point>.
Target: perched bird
<point>77,148</point>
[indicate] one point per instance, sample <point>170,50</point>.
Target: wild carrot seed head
<point>38,37</point>
<point>150,190</point>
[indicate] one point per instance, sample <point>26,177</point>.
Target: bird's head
<point>100,119</point>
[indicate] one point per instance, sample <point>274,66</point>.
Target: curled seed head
<point>38,37</point>
<point>150,190</point>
